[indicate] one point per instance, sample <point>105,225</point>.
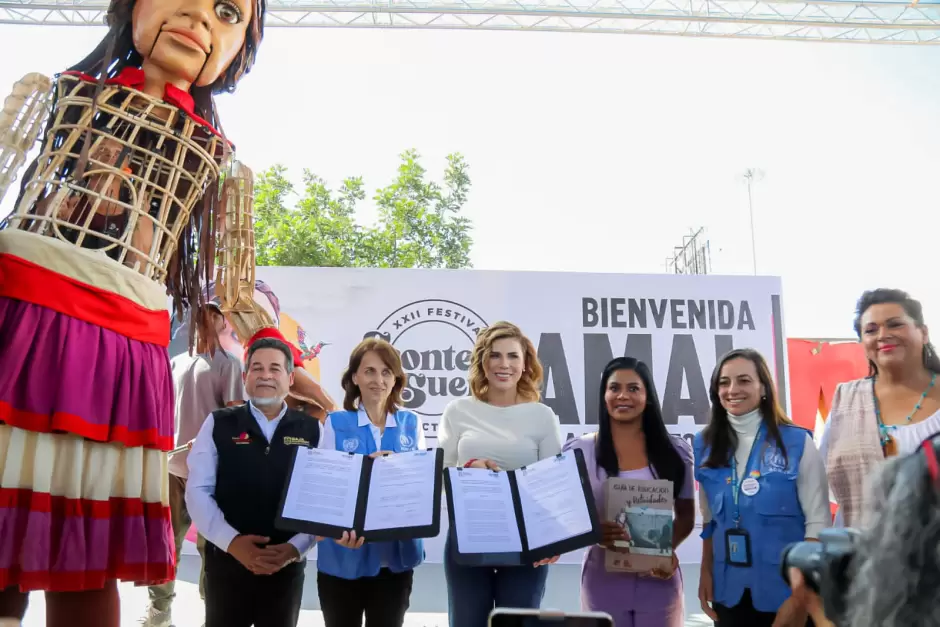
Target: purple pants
<point>632,600</point>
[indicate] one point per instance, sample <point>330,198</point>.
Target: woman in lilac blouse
<point>632,443</point>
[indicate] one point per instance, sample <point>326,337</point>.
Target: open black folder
<point>521,516</point>
<point>394,497</point>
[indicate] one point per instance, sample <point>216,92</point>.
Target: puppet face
<point>191,41</point>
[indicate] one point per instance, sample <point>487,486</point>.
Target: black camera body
<point>825,566</point>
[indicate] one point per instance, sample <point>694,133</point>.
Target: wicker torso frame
<point>149,163</point>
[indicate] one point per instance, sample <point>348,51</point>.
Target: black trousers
<point>383,599</point>
<point>744,615</point>
<point>236,597</point>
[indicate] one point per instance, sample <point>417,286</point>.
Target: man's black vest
<point>252,472</point>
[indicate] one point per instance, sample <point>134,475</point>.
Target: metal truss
<point>893,23</point>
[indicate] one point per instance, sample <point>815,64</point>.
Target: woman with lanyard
<point>374,580</point>
<point>763,486</point>
<point>632,443</point>
<point>501,426</point>
<point>888,413</point>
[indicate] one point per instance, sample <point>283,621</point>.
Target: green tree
<point>419,222</point>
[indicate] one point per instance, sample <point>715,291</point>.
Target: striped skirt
<point>86,418</point>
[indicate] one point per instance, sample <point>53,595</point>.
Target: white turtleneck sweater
<point>812,486</point>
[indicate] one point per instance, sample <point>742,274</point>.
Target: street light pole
<point>751,175</point>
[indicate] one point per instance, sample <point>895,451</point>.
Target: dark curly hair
<point>912,308</point>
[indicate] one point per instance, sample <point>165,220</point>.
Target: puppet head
<point>210,44</point>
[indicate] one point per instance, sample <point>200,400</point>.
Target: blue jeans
<point>474,591</point>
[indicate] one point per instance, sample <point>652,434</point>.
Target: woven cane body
<point>148,165</point>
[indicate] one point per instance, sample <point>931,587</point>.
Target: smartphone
<point>548,618</point>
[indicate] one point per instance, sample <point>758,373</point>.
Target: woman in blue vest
<point>763,485</point>
<point>376,579</point>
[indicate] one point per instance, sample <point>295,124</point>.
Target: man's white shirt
<point>203,465</point>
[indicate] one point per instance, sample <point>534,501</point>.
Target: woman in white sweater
<point>501,426</point>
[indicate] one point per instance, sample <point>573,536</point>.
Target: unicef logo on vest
<point>435,338</point>
<point>350,445</point>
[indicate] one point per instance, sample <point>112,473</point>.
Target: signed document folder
<point>521,516</point>
<point>394,497</point>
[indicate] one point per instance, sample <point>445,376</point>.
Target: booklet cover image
<point>645,509</point>
<point>650,530</point>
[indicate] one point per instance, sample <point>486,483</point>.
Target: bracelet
<point>470,463</point>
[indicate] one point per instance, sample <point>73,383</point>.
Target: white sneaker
<point>156,618</point>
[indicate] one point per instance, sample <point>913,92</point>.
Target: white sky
<point>597,152</point>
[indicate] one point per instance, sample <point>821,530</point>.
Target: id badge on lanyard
<point>738,540</point>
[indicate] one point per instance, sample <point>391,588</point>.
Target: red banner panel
<point>816,368</point>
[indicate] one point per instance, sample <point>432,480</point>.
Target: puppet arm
<point>21,120</point>
<point>235,281</point>
<point>235,250</point>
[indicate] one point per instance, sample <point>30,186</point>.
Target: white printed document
<point>536,512</point>
<point>484,516</point>
<point>323,487</point>
<point>392,497</point>
<point>551,509</point>
<point>401,492</point>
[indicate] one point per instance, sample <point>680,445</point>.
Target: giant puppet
<point>118,210</point>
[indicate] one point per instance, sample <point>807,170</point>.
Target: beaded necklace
<point>887,442</point>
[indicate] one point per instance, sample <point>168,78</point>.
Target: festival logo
<point>435,338</point>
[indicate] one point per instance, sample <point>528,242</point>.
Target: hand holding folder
<point>378,498</point>
<point>527,516</point>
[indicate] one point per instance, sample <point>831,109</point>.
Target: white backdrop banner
<point>678,324</point>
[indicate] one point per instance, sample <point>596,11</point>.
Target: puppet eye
<point>228,12</point>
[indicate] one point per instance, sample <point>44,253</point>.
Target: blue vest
<point>366,561</point>
<point>773,518</point>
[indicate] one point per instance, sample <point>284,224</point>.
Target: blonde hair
<point>530,383</point>
<point>390,357</point>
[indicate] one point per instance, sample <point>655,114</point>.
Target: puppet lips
<point>187,37</point>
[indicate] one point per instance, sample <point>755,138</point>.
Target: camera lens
<point>807,558</point>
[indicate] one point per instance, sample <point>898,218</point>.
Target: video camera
<point>825,566</point>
